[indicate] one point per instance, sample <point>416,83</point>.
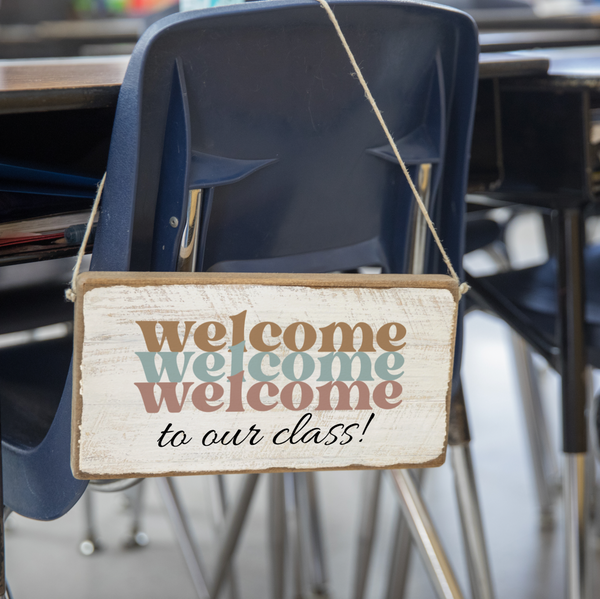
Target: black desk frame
<point>544,160</point>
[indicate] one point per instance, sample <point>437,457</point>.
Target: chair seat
<point>533,290</point>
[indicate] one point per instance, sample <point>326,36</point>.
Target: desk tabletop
<point>527,18</point>
<point>568,62</point>
<point>508,41</point>
<point>60,83</point>
<point>93,82</point>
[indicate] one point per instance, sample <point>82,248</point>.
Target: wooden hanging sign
<point>204,373</point>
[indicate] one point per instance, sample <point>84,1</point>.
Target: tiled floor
<point>43,558</point>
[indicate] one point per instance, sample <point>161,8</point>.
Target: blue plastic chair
<point>255,105</point>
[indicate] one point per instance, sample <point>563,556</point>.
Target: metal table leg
<point>575,523</point>
<point>90,544</point>
<point>572,362</point>
<point>220,506</point>
<point>232,528</point>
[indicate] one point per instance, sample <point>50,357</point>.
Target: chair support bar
<point>425,537</point>
<point>184,536</point>
<point>232,528</point>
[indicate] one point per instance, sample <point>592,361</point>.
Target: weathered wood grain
<point>115,436</point>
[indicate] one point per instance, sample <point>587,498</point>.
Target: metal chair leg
<point>545,466</point>
<point>400,561</point>
<point>232,528</point>
<point>425,537</point>
<point>137,538</point>
<point>6,513</point>
<point>459,439</point>
<point>294,534</point>
<point>220,504</point>
<point>183,534</point>
<point>218,498</point>
<point>90,544</point>
<point>472,526</point>
<point>311,522</point>
<point>277,534</point>
<point>401,553</point>
<point>371,490</point>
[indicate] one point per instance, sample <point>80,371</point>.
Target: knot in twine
<point>70,293</point>
<point>462,287</point>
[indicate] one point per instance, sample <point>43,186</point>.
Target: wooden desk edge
<point>68,98</point>
<point>498,65</point>
<point>64,95</point>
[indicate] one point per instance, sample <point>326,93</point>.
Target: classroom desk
<point>548,157</point>
<point>58,114</point>
<point>545,129</point>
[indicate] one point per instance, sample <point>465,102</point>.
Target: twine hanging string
<point>462,287</point>
<point>70,293</point>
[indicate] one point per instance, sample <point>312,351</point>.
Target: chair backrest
<point>257,106</point>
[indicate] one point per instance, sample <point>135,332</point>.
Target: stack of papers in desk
<point>37,206</point>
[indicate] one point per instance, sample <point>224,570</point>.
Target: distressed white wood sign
<point>203,373</point>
